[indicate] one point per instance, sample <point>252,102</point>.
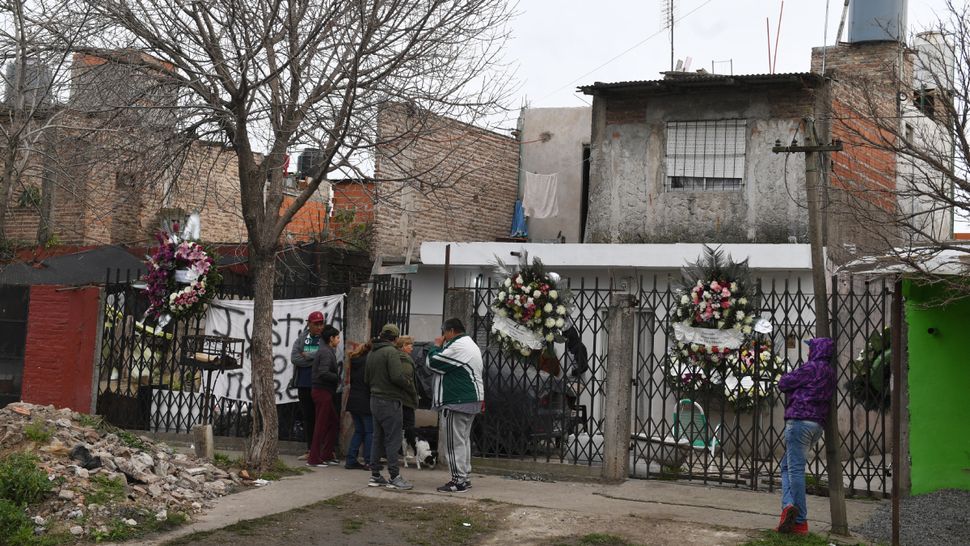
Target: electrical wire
<point>625,51</point>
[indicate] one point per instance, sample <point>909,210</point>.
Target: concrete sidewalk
<point>706,505</point>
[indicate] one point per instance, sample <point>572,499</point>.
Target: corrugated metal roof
<point>680,79</point>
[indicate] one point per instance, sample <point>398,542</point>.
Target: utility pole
<point>813,164</point>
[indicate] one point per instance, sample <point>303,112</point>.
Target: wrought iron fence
<point>535,411</point>
<point>553,413</point>
<point>145,385</point>
<point>391,303</point>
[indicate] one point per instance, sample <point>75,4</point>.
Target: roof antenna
<point>669,9</point>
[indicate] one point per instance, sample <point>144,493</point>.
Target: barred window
<point>705,155</point>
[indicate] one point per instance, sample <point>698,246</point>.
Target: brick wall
<point>443,180</point>
<point>59,354</point>
<point>866,78</point>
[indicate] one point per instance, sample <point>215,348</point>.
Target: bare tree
<point>917,115</point>
<point>267,76</point>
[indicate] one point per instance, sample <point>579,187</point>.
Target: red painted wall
<point>59,356</point>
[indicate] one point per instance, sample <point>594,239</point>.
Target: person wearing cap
<point>809,389</point>
<point>390,387</point>
<point>325,378</point>
<point>459,394</point>
<point>301,356</point>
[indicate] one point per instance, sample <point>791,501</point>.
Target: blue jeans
<point>800,436</point>
<point>363,433</point>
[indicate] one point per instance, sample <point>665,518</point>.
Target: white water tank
<point>877,21</point>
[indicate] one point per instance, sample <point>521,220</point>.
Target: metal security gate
<point>391,303</point>
<point>542,409</point>
<point>557,417</point>
<point>743,447</point>
<point>144,385</point>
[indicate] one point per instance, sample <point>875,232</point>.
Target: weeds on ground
<point>107,490</point>
<point>668,472</point>
<point>90,421</point>
<point>130,439</point>
<point>119,531</point>
<point>352,525</point>
<point>21,482</point>
<point>280,470</point>
<point>594,539</point>
<point>771,538</point>
<point>225,462</point>
<point>38,432</point>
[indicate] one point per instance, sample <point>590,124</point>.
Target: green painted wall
<point>939,390</point>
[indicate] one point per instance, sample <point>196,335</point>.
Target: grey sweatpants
<point>388,431</point>
<point>458,443</point>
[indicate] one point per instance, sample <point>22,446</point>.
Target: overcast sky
<point>560,44</point>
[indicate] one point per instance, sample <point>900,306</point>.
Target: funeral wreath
<point>182,278</point>
<point>717,352</point>
<point>530,310</point>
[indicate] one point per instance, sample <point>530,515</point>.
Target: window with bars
<point>705,155</point>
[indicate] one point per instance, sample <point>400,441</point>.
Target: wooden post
<point>813,164</point>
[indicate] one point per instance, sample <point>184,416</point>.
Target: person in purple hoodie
<point>809,388</point>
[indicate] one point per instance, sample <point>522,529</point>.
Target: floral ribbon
<point>727,339</point>
<point>517,332</point>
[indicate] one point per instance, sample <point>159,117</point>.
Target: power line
<point>624,52</point>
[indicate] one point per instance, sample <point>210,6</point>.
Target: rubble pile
<point>101,477</point>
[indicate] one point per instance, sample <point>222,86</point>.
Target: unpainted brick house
<point>447,181</point>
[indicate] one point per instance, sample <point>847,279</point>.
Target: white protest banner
<point>234,318</point>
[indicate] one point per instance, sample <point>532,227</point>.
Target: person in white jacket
<point>459,394</point>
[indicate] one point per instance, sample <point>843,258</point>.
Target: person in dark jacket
<point>389,381</point>
<point>301,356</point>
<point>809,389</point>
<point>325,378</point>
<point>358,405</point>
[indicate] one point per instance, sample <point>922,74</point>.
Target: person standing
<point>459,395</point>
<point>406,344</point>
<point>388,380</point>
<point>325,379</point>
<point>358,405</point>
<point>809,389</point>
<point>301,356</point>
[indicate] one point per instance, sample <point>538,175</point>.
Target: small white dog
<point>422,454</point>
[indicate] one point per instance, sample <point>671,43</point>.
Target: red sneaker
<point>787,522</point>
<point>800,528</point>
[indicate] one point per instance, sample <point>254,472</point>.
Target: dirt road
<point>381,517</point>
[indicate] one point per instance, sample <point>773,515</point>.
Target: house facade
<point>688,158</point>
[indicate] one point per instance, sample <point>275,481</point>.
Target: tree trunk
<point>45,229</point>
<point>6,188</point>
<point>263,448</point>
